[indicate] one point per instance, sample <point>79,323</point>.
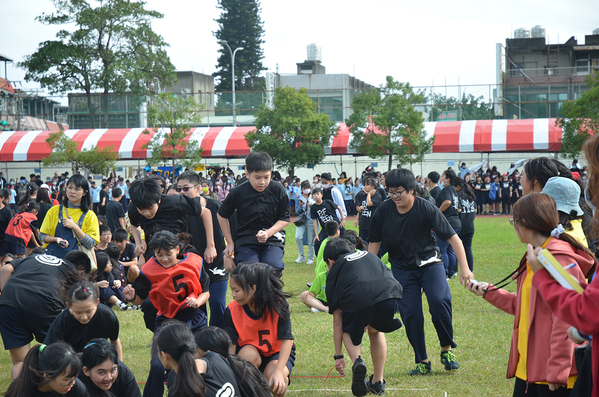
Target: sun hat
<point>566,194</point>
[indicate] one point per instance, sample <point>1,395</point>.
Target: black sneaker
<point>421,369</point>
<point>448,359</point>
<point>378,388</point>
<point>358,384</point>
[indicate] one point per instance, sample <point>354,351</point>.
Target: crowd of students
<point>170,250</point>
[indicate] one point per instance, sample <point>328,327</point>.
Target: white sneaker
<point>314,310</point>
<point>310,262</point>
<point>300,259</point>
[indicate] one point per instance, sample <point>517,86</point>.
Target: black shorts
<point>380,316</point>
<point>12,248</point>
<point>19,327</point>
<point>265,360</point>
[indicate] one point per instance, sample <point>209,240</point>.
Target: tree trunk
<point>390,161</point>
<point>92,110</point>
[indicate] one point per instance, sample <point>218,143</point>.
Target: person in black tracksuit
<point>505,194</point>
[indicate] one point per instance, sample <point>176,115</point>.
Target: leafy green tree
<point>292,133</point>
<point>111,49</point>
<point>240,25</point>
<point>580,119</point>
<point>469,107</point>
<point>390,110</point>
<point>65,151</point>
<point>172,117</point>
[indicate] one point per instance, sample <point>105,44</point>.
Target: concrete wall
<point>201,86</point>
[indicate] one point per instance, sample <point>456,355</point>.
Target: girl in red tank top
<point>258,322</point>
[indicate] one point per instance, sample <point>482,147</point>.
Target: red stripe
<point>483,134</point>
<point>447,137</point>
<point>38,150</point>
<point>208,141</point>
<point>142,139</point>
<point>555,136</point>
<point>237,146</point>
<point>340,142</point>
<point>10,145</point>
<point>520,135</point>
<point>113,137</point>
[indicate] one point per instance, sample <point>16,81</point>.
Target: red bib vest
<point>171,286</point>
<point>261,333</point>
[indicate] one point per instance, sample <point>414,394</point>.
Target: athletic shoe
<point>378,388</point>
<point>300,259</point>
<point>310,262</point>
<point>123,306</point>
<point>421,369</point>
<point>315,310</point>
<point>358,384</point>
<point>135,307</point>
<point>448,359</point>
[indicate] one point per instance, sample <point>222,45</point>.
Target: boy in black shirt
<point>361,292</point>
<point>370,200</point>
<point>433,184</point>
<point>127,257</point>
<point>115,215</point>
<point>323,211</point>
<point>262,212</point>
<point>404,224</point>
<point>152,211</point>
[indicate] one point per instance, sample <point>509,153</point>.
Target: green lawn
<point>481,332</point>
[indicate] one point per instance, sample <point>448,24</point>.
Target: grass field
<point>481,332</point>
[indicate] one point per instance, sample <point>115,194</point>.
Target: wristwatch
<point>338,356</point>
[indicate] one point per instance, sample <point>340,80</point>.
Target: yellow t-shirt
<point>90,225</point>
<point>577,232</point>
<point>523,329</point>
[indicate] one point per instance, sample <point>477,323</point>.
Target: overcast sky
<point>420,42</point>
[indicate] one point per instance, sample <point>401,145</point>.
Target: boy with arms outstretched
<point>361,292</point>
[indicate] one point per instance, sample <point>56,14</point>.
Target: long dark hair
<point>465,189</point>
<point>102,260</point>
<point>249,379</point>
<point>542,168</point>
<point>43,196</point>
<point>176,339</point>
<point>165,240</point>
<point>31,188</point>
<point>80,182</point>
<point>269,296</point>
<point>42,365</point>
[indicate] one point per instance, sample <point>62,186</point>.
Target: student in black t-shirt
<point>485,189</point>
<point>104,374</point>
<point>449,204</point>
<point>29,302</point>
<point>361,292</point>
<point>115,215</point>
<point>262,212</point>
<point>104,199</point>
<point>127,256</point>
<point>467,215</point>
<point>405,223</point>
<point>369,202</point>
<point>187,184</point>
<point>153,212</point>
<point>433,184</point>
<point>323,211</point>
<point>49,371</point>
<point>505,194</point>
<point>478,194</point>
<point>84,320</point>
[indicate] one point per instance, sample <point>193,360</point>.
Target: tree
<point>469,107</point>
<point>240,25</point>
<point>580,119</point>
<point>172,117</point>
<point>65,151</point>
<point>292,133</point>
<point>112,49</point>
<point>390,110</point>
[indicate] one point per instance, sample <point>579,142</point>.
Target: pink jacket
<point>550,356</point>
<point>579,310</point>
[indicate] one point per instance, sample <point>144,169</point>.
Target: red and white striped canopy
<point>451,137</point>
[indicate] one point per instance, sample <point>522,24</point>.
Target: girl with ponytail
<point>176,350</point>
<point>49,371</point>
<point>541,357</point>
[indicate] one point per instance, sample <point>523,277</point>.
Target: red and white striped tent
<point>451,137</point>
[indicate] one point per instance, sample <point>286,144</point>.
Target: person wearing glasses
<point>405,224</point>
<point>187,185</point>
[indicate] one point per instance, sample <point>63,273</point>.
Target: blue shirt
<point>95,193</point>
